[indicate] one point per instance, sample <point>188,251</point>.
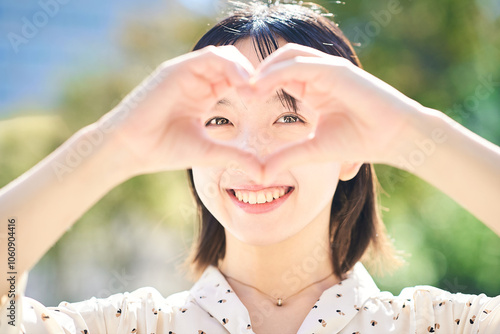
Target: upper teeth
<point>261,196</point>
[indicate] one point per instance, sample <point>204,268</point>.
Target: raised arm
<point>157,127</point>
<point>46,200</point>
<point>363,119</point>
<point>455,160</point>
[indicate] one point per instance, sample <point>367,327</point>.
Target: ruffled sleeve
<point>425,309</point>
<point>439,310</point>
<point>139,311</point>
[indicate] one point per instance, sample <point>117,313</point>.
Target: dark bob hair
<point>355,224</point>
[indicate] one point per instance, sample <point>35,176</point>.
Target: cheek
<point>206,183</point>
<point>317,183</point>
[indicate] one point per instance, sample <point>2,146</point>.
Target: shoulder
<point>428,309</point>
<point>135,301</point>
<point>127,312</point>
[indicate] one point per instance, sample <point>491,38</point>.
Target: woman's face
<point>253,213</point>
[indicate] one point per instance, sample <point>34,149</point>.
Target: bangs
<point>267,24</point>
<point>355,224</point>
<point>266,42</point>
<point>263,30</point>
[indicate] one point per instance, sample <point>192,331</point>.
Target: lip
<point>258,208</point>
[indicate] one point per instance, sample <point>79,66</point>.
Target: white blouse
<point>355,305</point>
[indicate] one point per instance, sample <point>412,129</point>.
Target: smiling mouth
<point>267,195</point>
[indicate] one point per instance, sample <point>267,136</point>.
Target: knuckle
<point>209,50</point>
<point>163,65</point>
<point>230,47</point>
<point>291,46</point>
<point>342,61</point>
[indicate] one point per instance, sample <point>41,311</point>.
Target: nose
<point>256,140</point>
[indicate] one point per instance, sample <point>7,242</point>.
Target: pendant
<point>280,302</point>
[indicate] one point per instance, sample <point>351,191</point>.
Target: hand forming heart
<point>360,117</point>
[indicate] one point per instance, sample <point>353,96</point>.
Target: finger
<point>232,158</point>
<point>299,68</point>
<point>295,154</point>
<point>204,76</point>
<point>287,52</point>
<point>223,63</point>
<point>327,74</point>
<point>294,76</point>
<point>333,140</point>
<point>207,152</point>
<point>240,58</point>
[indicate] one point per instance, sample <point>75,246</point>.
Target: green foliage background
<point>437,53</point>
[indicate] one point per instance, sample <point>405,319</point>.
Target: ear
<point>348,170</point>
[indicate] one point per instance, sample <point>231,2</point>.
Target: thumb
<point>231,157</point>
<point>303,152</point>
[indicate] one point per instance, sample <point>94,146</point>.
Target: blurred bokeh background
<point>63,64</point>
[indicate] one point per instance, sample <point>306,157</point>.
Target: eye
<point>289,119</point>
<point>218,121</point>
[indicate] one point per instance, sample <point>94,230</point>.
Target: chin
<point>262,233</point>
<point>258,241</point>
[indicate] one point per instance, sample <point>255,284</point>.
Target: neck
<point>284,268</point>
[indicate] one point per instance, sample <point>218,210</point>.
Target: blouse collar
<point>334,309</point>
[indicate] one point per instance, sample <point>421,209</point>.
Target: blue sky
<point>44,41</point>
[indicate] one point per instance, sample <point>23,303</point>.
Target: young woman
<point>278,126</point>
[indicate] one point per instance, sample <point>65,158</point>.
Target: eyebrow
<point>227,102</point>
<point>224,102</point>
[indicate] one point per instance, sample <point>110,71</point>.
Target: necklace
<point>279,300</point>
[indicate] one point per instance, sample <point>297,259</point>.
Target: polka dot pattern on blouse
<point>355,305</point>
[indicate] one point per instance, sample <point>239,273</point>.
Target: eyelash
<point>297,118</point>
<point>216,119</point>
<point>209,122</point>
